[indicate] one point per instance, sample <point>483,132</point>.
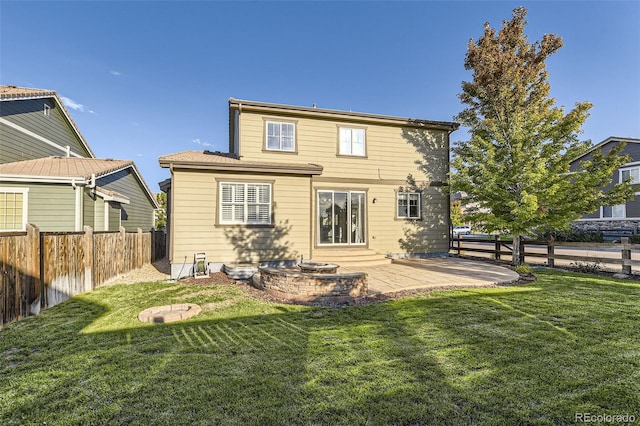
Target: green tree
<point>456,213</point>
<point>161,213</point>
<point>516,166</point>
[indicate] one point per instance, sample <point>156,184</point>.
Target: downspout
<point>78,206</point>
<point>238,130</point>
<point>449,228</point>
<point>170,216</point>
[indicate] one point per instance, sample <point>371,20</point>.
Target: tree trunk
<point>515,259</point>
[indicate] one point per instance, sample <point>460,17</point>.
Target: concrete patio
<point>434,273</point>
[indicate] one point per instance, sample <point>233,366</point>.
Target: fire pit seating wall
<point>311,281</point>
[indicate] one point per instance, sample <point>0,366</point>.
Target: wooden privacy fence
<point>41,269</point>
<point>618,254</point>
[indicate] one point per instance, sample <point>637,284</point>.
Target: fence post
<point>140,251</point>
<point>87,242</point>
<point>497,246</point>
<point>153,244</point>
<point>122,246</point>
<point>626,255</point>
<point>459,244</point>
<point>550,253</point>
<point>33,269</point>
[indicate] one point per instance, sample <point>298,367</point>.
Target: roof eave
<point>78,180</point>
<point>264,107</point>
<point>604,142</point>
<point>258,168</point>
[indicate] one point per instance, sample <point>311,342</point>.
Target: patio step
<point>350,257</point>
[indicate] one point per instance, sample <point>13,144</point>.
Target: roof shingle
<point>13,92</point>
<point>224,161</point>
<point>64,167</point>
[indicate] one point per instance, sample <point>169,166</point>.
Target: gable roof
<point>13,93</point>
<point>608,140</point>
<point>206,160</point>
<point>71,170</point>
<point>64,167</point>
<point>240,105</point>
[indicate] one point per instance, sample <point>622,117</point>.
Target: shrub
<point>524,270</point>
<point>573,235</point>
<point>590,268</point>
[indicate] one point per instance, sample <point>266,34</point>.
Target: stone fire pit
<point>313,282</point>
<point>318,268</point>
<point>169,313</point>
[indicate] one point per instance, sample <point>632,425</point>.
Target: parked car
<point>462,230</point>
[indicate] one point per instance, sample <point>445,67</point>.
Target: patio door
<point>341,218</point>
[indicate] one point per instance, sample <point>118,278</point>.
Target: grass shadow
<point>481,356</point>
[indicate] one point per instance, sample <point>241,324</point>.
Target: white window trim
<point>246,203</point>
<point>25,205</point>
<point>626,168</point>
<point>364,142</point>
<point>624,212</point>
<point>266,136</point>
<point>47,110</point>
<point>419,216</point>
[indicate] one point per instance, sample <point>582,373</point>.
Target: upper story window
<point>352,141</point>
<point>13,209</point>
<point>281,136</point>
<point>245,203</point>
<point>633,173</point>
<point>47,110</point>
<point>408,204</point>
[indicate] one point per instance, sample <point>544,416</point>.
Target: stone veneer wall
<point>305,287</point>
<point>632,226</point>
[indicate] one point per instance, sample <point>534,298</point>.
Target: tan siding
<point>195,229</point>
<point>391,153</point>
<point>385,232</point>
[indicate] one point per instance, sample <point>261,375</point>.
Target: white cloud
<point>70,103</point>
<point>199,142</point>
<point>115,73</point>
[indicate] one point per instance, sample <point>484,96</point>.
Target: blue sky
<point>147,78</point>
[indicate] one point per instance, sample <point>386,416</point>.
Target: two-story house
<point>49,175</point>
<point>624,218</point>
<point>310,183</point>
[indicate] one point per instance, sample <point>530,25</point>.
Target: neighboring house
<point>310,183</point>
<point>49,175</point>
<point>624,217</point>
<point>64,193</point>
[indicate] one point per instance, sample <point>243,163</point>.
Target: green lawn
<point>531,354</point>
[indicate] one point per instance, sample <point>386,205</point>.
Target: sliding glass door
<point>341,218</point>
